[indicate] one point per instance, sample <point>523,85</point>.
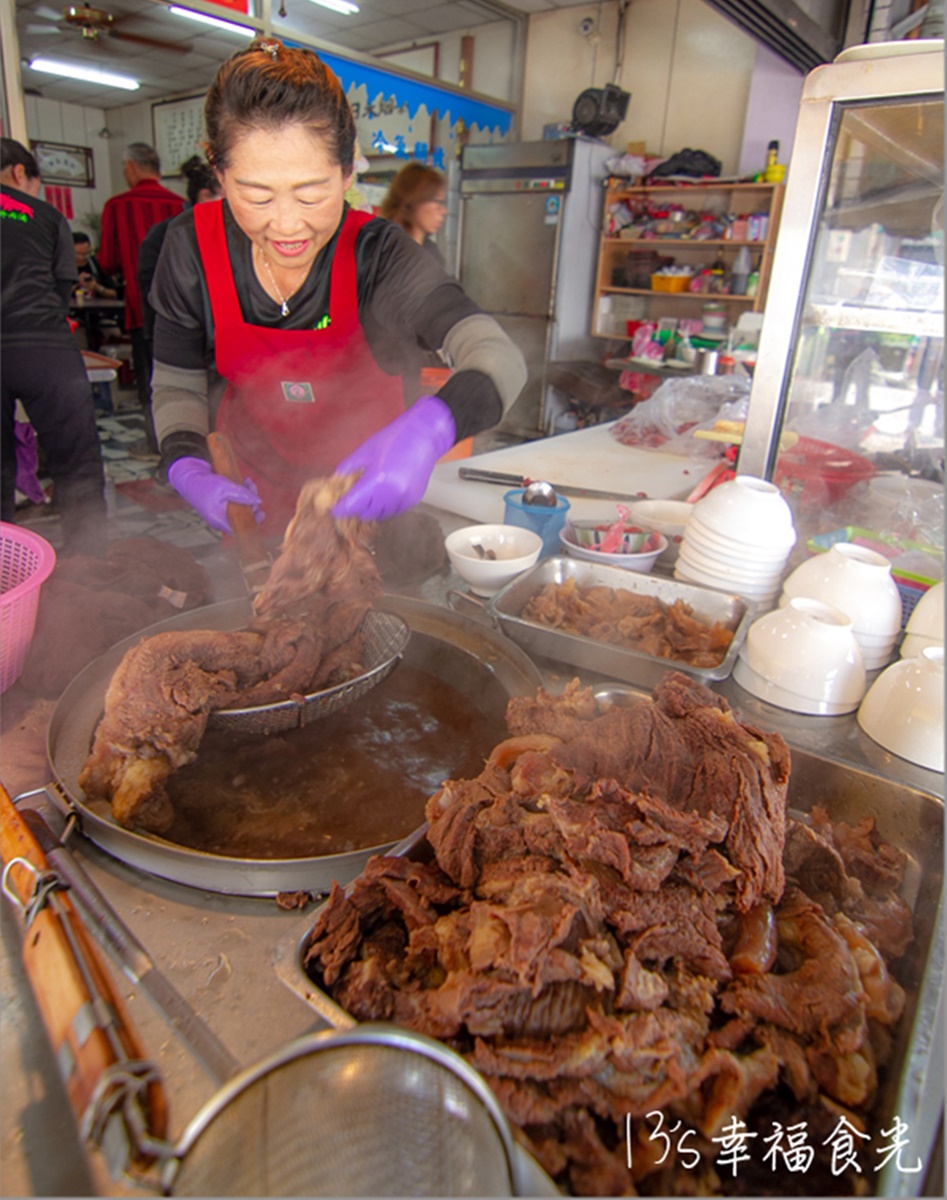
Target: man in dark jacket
<point>41,364</point>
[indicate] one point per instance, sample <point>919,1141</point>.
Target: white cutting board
<point>587,458</point>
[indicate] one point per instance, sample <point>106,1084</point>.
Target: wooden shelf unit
<point>717,197</point>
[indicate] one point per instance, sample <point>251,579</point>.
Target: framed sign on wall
<point>72,166</point>
<point>179,131</point>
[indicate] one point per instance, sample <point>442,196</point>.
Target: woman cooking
<point>286,320</point>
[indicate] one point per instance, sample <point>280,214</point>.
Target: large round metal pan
<point>477,660</point>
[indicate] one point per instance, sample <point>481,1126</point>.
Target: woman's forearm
<point>179,405</point>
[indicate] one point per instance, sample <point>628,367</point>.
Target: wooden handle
<point>84,1016</point>
<point>253,554</point>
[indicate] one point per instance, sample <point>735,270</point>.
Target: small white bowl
<point>669,517</point>
<point>763,595</point>
<point>914,643</point>
<point>699,534</point>
<point>642,561</point>
<point>903,710</point>
<point>730,567</point>
<point>927,618</point>
<point>856,580</point>
<point>803,657</point>
<point>750,510</point>
<point>516,550</point>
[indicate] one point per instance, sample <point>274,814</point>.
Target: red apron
<point>297,400</point>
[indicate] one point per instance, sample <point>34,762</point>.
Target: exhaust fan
<point>599,111</point>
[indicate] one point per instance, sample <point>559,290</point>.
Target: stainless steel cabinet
<point>851,352</point>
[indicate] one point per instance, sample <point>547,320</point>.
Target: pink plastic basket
<point>25,563</point>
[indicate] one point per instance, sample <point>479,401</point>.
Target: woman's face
<point>429,216</point>
<point>285,193</point>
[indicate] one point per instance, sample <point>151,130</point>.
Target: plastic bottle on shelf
<point>753,283</point>
<point>740,272</point>
<point>775,171</point>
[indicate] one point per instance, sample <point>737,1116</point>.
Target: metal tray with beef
<point>677,621</point>
<point>660,935</point>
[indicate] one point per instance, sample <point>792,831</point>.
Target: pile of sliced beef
<point>618,923</point>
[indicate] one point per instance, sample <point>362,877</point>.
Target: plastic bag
<point>27,463</point>
<point>668,419</point>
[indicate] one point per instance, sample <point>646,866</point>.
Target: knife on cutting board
<point>563,489</point>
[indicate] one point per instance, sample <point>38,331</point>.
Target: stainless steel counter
<point>219,950</point>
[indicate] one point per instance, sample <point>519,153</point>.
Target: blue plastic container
<point>545,521</point>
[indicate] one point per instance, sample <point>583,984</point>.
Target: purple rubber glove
<point>209,494</point>
<point>397,461</point>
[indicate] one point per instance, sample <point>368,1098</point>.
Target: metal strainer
<point>386,636</point>
<point>371,1111</point>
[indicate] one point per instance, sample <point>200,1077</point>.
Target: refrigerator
<point>530,218</point>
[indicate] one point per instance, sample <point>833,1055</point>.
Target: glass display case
<point>847,406</point>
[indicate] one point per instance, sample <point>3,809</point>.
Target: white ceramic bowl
<point>591,534</point>
<point>762,594</point>
<point>803,657</point>
<point>903,710</point>
<point>927,619</point>
<point>669,517</point>
<point>749,510</point>
<point>914,643</point>
<point>729,567</point>
<point>642,561</point>
<point>856,580</point>
<point>699,534</point>
<point>516,551</point>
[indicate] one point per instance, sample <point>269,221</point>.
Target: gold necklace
<point>283,303</point>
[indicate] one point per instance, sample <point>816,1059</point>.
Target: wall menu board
<point>179,131</point>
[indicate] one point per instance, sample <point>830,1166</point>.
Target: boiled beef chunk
<point>304,636</point>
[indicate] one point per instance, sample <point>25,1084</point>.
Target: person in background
<point>126,218</point>
<point>416,201</point>
<point>40,362</point>
<point>202,185</point>
<point>92,278</point>
<point>305,313</point>
<point>94,284</point>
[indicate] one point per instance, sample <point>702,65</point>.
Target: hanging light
<point>86,74</point>
<point>226,26</point>
<point>339,6</point>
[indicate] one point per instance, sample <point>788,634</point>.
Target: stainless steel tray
<point>912,1085</point>
<point>615,662</point>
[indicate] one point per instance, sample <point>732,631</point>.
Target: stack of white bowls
<point>803,657</point>
<point>738,539</point>
<point>858,581</point>
<point>925,625</point>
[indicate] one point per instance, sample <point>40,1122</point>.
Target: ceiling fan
<point>94,24</point>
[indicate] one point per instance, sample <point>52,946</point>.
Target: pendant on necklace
<point>283,302</point>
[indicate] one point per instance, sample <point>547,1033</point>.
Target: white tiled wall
<point>76,125</point>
